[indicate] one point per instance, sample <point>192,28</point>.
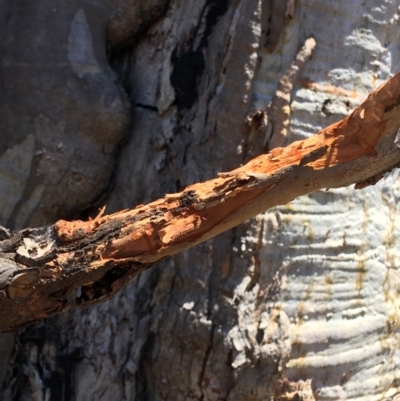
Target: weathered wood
<point>46,270</point>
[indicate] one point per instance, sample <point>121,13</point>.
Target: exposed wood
<point>46,270</point>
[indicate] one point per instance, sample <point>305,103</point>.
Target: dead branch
<point>45,271</point>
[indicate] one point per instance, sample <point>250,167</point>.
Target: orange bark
<point>44,271</point>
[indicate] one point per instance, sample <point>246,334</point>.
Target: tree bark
<point>300,302</point>
<point>46,271</point>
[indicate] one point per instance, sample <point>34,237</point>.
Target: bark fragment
<point>46,270</point>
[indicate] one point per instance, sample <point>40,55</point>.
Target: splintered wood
<point>44,271</point>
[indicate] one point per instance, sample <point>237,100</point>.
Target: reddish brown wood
<point>44,271</point>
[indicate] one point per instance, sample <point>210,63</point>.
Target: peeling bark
<point>45,271</point>
<point>307,291</point>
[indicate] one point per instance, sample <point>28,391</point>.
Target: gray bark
<point>299,302</point>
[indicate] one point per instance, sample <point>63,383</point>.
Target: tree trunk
<point>298,303</point>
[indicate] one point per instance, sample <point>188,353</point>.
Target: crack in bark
<point>205,360</point>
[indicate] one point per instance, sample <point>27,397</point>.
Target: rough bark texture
<point>304,292</point>
<point>47,270</point>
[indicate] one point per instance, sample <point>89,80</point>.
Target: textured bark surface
<point>307,291</point>
<point>47,270</point>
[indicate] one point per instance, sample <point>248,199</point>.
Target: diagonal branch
<point>46,270</point>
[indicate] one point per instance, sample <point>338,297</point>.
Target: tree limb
<point>46,270</point>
